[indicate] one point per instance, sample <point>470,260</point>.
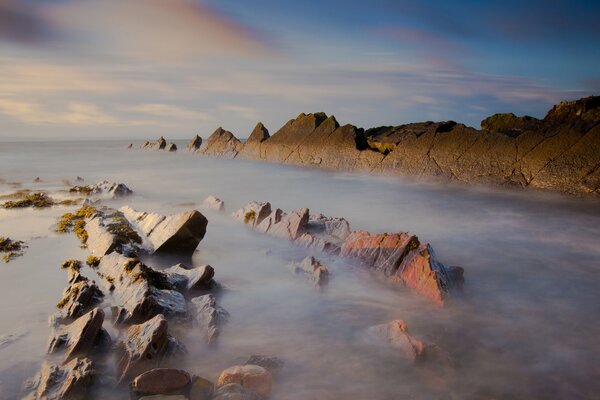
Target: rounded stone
<point>251,377</point>
<point>161,381</point>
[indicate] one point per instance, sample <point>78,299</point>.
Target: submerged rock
<point>209,316</point>
<point>195,143</point>
<point>79,337</point>
<point>313,269</point>
<point>253,213</point>
<point>395,334</point>
<point>106,189</point>
<point>197,278</point>
<point>180,233</point>
<point>171,147</point>
<point>250,377</point>
<point>165,381</point>
<point>213,203</point>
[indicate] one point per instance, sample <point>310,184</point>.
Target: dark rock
<point>79,337</point>
<point>161,142</point>
<point>130,146</point>
<point>195,143</point>
<point>162,381</point>
<point>209,316</point>
<point>180,233</point>
<point>172,147</point>
<point>202,389</point>
<point>78,298</point>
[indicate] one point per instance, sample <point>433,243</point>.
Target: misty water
<point>525,326</point>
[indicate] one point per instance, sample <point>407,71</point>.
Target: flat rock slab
<point>162,381</point>
<point>250,377</point>
<point>180,233</point>
<point>79,337</point>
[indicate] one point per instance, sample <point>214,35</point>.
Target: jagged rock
<point>209,316</point>
<point>213,203</point>
<point>336,228</point>
<point>180,233</point>
<point>130,146</point>
<point>138,290</point>
<point>142,348</point>
<point>166,381</point>
<point>292,225</point>
<point>251,148</point>
<point>234,391</point>
<point>253,213</point>
<point>198,278</point>
<point>395,334</point>
<point>110,232</point>
<point>270,363</point>
<point>195,143</point>
<point>259,134</point>
<point>269,221</point>
<point>78,298</point>
<point>106,189</point>
<point>402,258</point>
<point>79,337</point>
<point>251,377</point>
<point>222,143</point>
<point>70,381</point>
<point>313,269</point>
<point>172,147</point>
<point>161,142</point>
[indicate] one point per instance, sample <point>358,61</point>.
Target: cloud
<point>169,111</point>
<point>33,113</point>
<point>21,24</point>
<point>241,111</point>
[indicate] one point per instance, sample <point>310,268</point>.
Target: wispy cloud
<point>20,23</point>
<point>169,111</point>
<point>33,113</point>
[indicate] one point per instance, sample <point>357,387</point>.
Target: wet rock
<point>109,232</point>
<point>79,297</point>
<point>202,389</point>
<point>106,189</point>
<point>171,147</point>
<point>213,203</point>
<point>79,337</point>
<point>70,381</point>
<point>402,258</point>
<point>162,381</point>
<point>292,225</point>
<point>138,290</point>
<point>142,348</point>
<point>209,316</point>
<point>180,233</point>
<point>253,213</point>
<point>234,391</point>
<point>270,363</point>
<point>269,221</point>
<point>250,377</point>
<point>221,143</point>
<point>198,278</point>
<point>313,269</point>
<point>195,143</point>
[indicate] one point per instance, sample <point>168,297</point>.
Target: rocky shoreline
<point>560,152</point>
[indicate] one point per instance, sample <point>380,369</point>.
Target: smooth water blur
<point>525,326</point>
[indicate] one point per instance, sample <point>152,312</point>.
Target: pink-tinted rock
<point>313,269</point>
<point>70,381</point>
<point>162,381</point>
<point>292,225</point>
<point>396,335</point>
<point>251,377</point>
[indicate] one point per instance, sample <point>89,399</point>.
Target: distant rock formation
<point>195,143</point>
<point>560,152</point>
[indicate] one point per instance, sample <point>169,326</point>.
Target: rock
<point>250,377</point>
<point>70,381</point>
<point>202,389</point>
<point>213,203</point>
<point>79,297</point>
<point>209,316</point>
<point>107,189</point>
<point>161,142</point>
<point>79,337</point>
<point>180,233</point>
<point>164,397</point>
<point>334,228</point>
<point>142,348</point>
<point>195,143</point>
<point>130,146</point>
<point>171,147</point>
<point>292,225</point>
<point>234,391</point>
<point>270,363</point>
<point>198,278</point>
<point>162,381</point>
<point>253,213</point>
<point>402,258</point>
<point>37,179</point>
<point>313,269</point>
<point>140,292</point>
<point>221,143</point>
<point>109,232</point>
<point>259,134</point>
<point>395,334</point>
<point>269,221</point>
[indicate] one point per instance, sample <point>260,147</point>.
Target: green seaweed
<point>74,265</point>
<point>35,200</point>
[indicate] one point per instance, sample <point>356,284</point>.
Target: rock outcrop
<point>68,381</point>
<point>180,233</point>
<point>221,143</point>
<point>560,152</point>
<point>78,298</point>
<point>194,144</point>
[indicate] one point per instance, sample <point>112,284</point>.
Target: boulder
<point>270,363</point>
<point>70,381</point>
<point>250,377</point>
<point>198,278</point>
<point>79,337</point>
<point>78,298</point>
<point>234,391</point>
<point>171,147</point>
<point>139,291</point>
<point>213,203</point>
<point>202,389</point>
<point>161,143</point>
<point>209,316</point>
<point>396,335</point>
<point>253,213</point>
<point>269,221</point>
<point>180,233</point>
<point>313,269</point>
<point>166,381</point>
<point>195,143</point>
<point>402,258</point>
<point>142,348</point>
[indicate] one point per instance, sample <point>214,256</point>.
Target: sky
<point>138,69</point>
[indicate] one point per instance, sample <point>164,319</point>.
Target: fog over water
<point>525,325</point>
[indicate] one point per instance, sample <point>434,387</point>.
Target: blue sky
<point>143,68</point>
